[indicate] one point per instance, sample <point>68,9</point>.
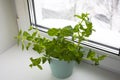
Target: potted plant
<point>60,52</point>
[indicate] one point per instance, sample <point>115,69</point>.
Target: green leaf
<point>38,34</point>
<point>95,60</point>
<point>91,54</point>
<point>44,60</point>
<point>88,23</point>
<point>67,31</point>
<point>20,32</point>
<point>38,47</point>
<point>102,57</point>
<point>30,28</point>
<point>82,16</point>
<point>94,57</point>
<point>71,47</point>
<point>18,37</point>
<point>26,34</point>
<point>53,32</point>
<point>81,27</point>
<point>34,34</point>
<point>36,61</point>
<point>74,37</point>
<point>29,38</point>
<point>31,65</point>
<point>78,16</point>
<point>76,28</point>
<point>40,67</point>
<point>28,45</point>
<point>22,45</point>
<point>89,29</point>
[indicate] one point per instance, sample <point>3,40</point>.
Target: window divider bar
<point>40,26</point>
<point>119,52</point>
<point>29,11</point>
<point>34,13</point>
<point>103,45</point>
<point>100,49</point>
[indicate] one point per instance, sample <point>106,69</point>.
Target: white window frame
<point>89,43</point>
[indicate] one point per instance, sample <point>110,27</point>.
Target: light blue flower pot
<point>61,69</point>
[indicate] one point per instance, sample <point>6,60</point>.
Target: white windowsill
<point>14,66</point>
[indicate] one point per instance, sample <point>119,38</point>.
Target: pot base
<point>61,69</point>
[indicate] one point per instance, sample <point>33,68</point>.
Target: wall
<point>22,13</point>
<point>8,24</point>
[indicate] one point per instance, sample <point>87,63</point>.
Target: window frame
<point>32,15</point>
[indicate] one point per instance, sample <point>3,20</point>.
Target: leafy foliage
<point>59,47</point>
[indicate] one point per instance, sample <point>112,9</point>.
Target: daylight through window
<point>104,14</point>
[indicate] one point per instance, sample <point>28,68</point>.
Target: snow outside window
<point>105,15</point>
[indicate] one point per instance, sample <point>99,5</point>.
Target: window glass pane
<point>105,15</point>
<point>61,10</point>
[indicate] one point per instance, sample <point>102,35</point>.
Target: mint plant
<point>60,47</point>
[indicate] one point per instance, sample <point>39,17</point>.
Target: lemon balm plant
<point>60,47</point>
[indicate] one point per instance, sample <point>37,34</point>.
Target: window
<point>104,14</point>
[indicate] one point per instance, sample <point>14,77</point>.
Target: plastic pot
<point>61,69</point>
